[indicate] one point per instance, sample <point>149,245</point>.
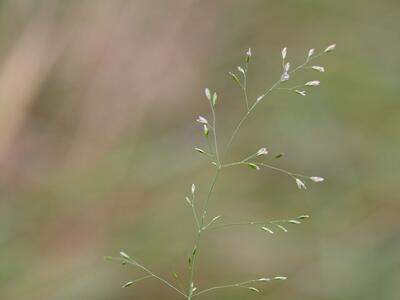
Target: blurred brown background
<point>97,107</point>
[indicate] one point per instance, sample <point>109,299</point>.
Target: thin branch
<point>249,157</point>
<point>161,279</point>
<point>266,93</point>
<point>291,174</point>
<point>197,243</point>
<point>292,88</point>
<point>195,213</point>
<point>137,280</point>
<point>135,263</point>
<point>244,162</point>
<point>235,132</point>
<point>240,285</point>
<point>215,136</point>
<point>245,86</point>
<point>256,223</point>
<point>309,58</point>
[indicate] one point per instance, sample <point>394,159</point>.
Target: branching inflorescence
<point>255,161</point>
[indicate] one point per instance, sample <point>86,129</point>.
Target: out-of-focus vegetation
<point>97,107</point>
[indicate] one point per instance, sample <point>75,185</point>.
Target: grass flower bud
<point>284,53</point>
<point>300,184</point>
<point>318,68</point>
<point>302,93</point>
<point>262,151</point>
<point>316,179</point>
<point>208,94</point>
<point>330,48</point>
<point>312,83</point>
<point>248,55</point>
<point>202,120</point>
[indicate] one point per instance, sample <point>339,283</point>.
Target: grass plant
<point>257,160</point>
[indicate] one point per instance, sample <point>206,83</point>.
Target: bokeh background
<point>97,107</point>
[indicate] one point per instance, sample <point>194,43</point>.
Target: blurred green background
<point>97,107</point>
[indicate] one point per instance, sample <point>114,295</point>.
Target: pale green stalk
<point>246,115</point>
<point>240,285</point>
<point>255,223</point>
<point>198,239</point>
<point>151,274</point>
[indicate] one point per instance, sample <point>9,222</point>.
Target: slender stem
<point>215,137</point>
<point>292,88</point>
<point>301,66</point>
<point>201,223</point>
<point>160,279</point>
<point>235,132</point>
<point>245,95</point>
<point>291,174</point>
<point>273,222</point>
<point>192,204</point>
<point>193,265</point>
<point>238,224</point>
<point>245,86</point>
<point>209,146</point>
<point>240,285</point>
<point>135,263</point>
<point>195,214</point>
<point>249,157</point>
<point>233,164</point>
<point>140,279</point>
<point>209,196</point>
<point>209,224</point>
<point>241,162</point>
<point>198,239</point>
<point>309,58</point>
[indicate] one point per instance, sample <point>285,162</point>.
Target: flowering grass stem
<point>200,215</point>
